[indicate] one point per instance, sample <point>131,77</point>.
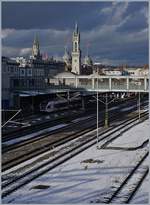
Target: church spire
<point>76,27</point>
<point>36,41</point>
<point>36,47</point>
<point>65,49</point>
<point>76,53</point>
<point>87,50</point>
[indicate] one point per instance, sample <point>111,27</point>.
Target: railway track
<point>37,146</point>
<point>81,144</point>
<point>17,133</point>
<point>44,134</point>
<point>125,192</point>
<point>20,143</point>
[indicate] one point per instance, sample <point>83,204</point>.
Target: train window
<point>60,105</point>
<point>51,105</point>
<point>57,105</point>
<point>48,107</point>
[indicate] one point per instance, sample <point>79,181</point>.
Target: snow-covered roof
<point>65,74</point>
<point>94,75</point>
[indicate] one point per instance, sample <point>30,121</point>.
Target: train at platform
<point>60,105</point>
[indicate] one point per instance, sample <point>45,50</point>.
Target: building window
<point>4,69</point>
<point>31,82</point>
<point>29,72</point>
<point>11,69</point>
<point>16,83</point>
<point>75,45</point>
<point>22,72</point>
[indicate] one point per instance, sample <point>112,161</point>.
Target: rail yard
<point>67,156</point>
<point>75,102</point>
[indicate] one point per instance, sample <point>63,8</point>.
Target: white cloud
<point>106,10</point>
<point>6,32</point>
<point>106,34</point>
<point>25,51</point>
<point>107,61</point>
<point>114,13</point>
<point>21,40</point>
<point>102,39</point>
<point>10,51</point>
<point>105,40</point>
<point>144,11</point>
<point>28,34</point>
<point>118,11</point>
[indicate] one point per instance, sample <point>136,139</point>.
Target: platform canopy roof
<point>65,74</point>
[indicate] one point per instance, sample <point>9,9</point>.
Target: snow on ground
<point>129,108</point>
<point>135,137</point>
<point>35,134</point>
<point>142,195</point>
<point>37,118</point>
<point>82,118</point>
<point>113,108</point>
<point>45,154</point>
<point>78,181</point>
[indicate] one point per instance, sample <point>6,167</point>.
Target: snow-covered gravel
<point>35,134</point>
<point>134,138</point>
<point>77,181</point>
<point>129,108</point>
<point>142,195</point>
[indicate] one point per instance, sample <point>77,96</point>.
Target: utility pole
<point>97,116</point>
<point>97,111</point>
<point>106,111</point>
<point>139,106</point>
<point>139,102</point>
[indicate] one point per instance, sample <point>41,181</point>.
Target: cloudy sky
<point>114,32</point>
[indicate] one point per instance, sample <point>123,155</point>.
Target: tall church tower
<point>36,49</point>
<point>76,53</point>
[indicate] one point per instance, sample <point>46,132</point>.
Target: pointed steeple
<point>36,41</point>
<point>76,53</point>
<point>66,55</point>
<point>36,47</point>
<point>87,50</point>
<point>65,49</point>
<point>76,27</point>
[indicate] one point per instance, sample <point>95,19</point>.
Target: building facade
<point>10,68</point>
<point>20,74</point>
